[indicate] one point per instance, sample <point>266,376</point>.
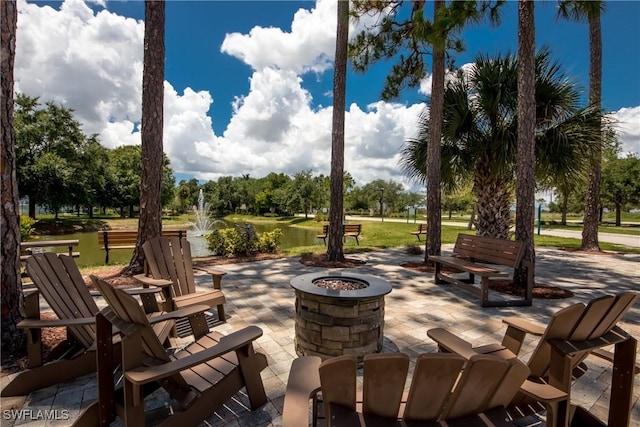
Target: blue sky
<point>249,83</point>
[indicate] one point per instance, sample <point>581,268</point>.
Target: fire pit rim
<point>377,286</point>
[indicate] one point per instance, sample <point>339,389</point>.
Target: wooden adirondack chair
<point>201,377</point>
<point>169,265</point>
<point>571,335</point>
<point>57,278</point>
<point>445,390</point>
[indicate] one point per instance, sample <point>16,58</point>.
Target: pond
<point>91,254</point>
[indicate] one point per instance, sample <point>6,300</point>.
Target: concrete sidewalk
<point>258,293</point>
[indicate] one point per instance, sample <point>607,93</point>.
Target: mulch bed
<point>504,286</point>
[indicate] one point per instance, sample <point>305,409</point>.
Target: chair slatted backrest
<point>60,282</point>
<point>132,320</point>
<point>444,386</point>
<point>486,382</point>
<point>578,323</point>
<point>170,258</point>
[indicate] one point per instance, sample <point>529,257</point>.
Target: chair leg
<point>221,315</point>
<point>250,364</point>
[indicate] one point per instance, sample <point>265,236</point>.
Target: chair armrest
<point>210,270</point>
<point>302,385</point>
<point>55,323</point>
<point>180,313</point>
<point>150,281</point>
<point>231,342</point>
<point>542,392</point>
<point>451,343</point>
<point>143,291</point>
<point>525,325</point>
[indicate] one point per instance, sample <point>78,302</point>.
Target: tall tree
<point>13,338</point>
<point>525,156</point>
<point>480,135</point>
<point>336,204</point>
<point>591,10</point>
<point>150,223</point>
<point>407,36</point>
<point>434,194</point>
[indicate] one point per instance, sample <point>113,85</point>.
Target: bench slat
<point>471,254</point>
<point>127,239</point>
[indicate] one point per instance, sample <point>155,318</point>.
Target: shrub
<point>269,241</point>
<point>26,226</point>
<point>321,217</point>
<point>242,240</point>
<point>413,249</point>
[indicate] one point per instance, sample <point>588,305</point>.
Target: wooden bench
<point>422,229</point>
<point>471,254</point>
<point>348,230</point>
<point>29,246</point>
<point>126,239</point>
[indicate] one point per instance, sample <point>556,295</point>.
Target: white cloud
<point>92,62</point>
<point>628,127</point>
<point>309,46</point>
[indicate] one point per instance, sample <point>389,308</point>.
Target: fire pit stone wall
<point>331,323</point>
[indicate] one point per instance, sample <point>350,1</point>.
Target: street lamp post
<point>382,203</point>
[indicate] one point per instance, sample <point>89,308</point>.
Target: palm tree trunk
<point>493,200</point>
<point>592,198</point>
<point>150,223</point>
<point>526,158</point>
<point>334,246</point>
<point>13,338</point>
<point>434,196</point>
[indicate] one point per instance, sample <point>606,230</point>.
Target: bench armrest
<point>303,384</point>
<point>231,342</point>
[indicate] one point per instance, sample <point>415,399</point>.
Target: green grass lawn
<point>377,235</point>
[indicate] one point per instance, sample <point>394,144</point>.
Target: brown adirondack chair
<point>200,378</point>
<point>169,265</point>
<point>57,278</point>
<point>445,390</point>
<point>572,334</point>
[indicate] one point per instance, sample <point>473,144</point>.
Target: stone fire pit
<point>339,313</point>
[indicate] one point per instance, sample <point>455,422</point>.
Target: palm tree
<point>334,247</point>
<point>407,36</point>
<point>150,223</point>
<point>479,137</point>
<point>13,338</point>
<point>526,159</point>
<point>578,11</point>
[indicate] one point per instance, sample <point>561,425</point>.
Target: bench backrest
<point>115,237</point>
<point>490,249</point>
<point>352,228</point>
<point>422,228</point>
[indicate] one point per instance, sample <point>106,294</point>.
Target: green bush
<point>242,241</point>
<point>413,249</point>
<point>269,241</point>
<point>320,217</point>
<point>26,226</point>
